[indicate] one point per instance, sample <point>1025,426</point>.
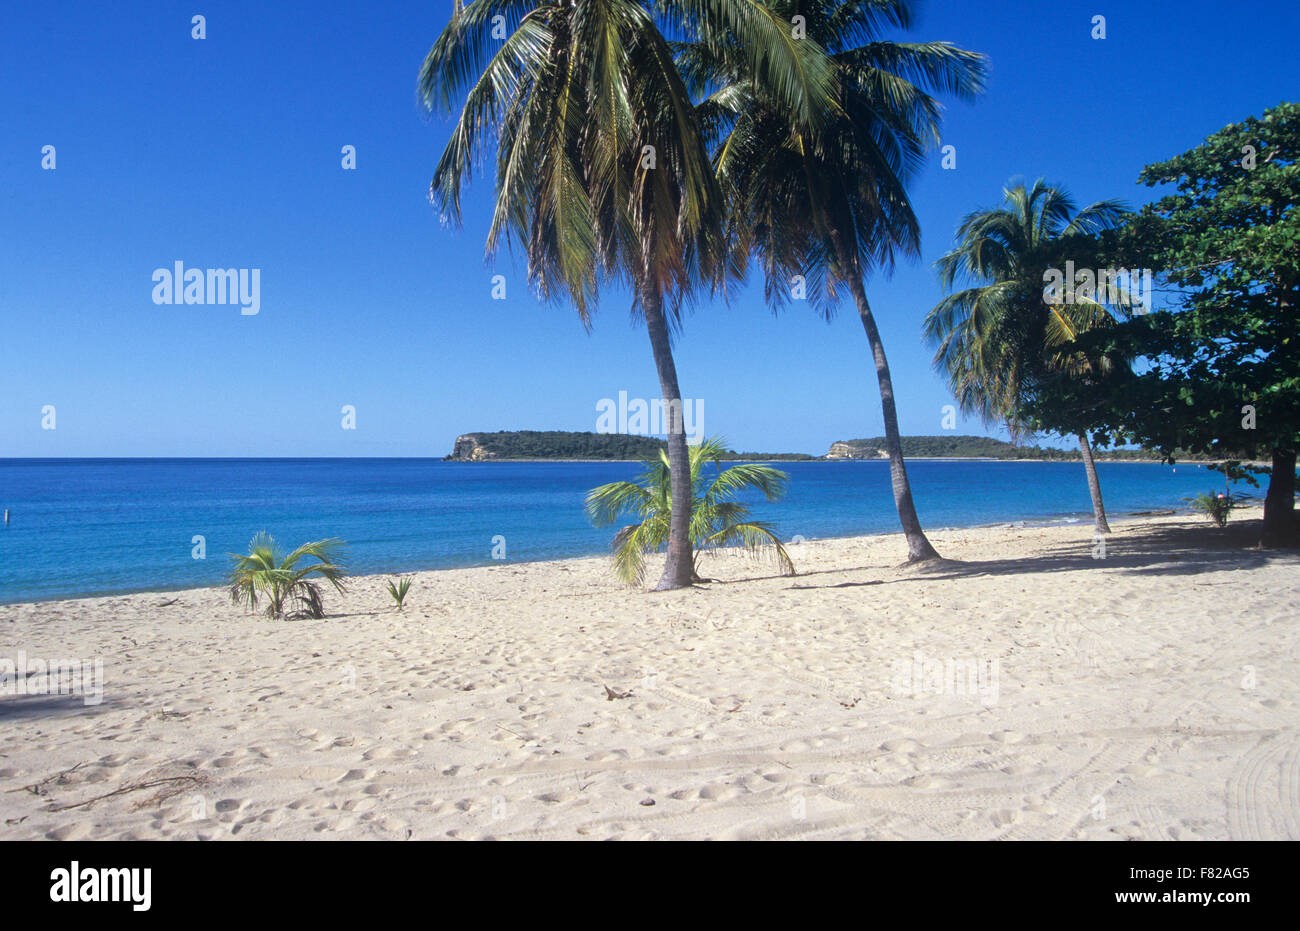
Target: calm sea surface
<point>96,526</point>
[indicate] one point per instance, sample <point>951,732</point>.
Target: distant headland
<point>575,445</point>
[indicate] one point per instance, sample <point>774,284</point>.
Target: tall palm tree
<point>602,171</point>
<point>821,205</point>
<point>717,519</point>
<point>1006,332</point>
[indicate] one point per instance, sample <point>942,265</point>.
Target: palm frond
<point>716,518</point>
<point>1000,338</point>
<point>756,538</point>
<point>264,573</point>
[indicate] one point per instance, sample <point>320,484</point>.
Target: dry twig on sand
<point>192,781</point>
<point>38,788</point>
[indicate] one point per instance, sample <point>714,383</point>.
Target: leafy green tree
<point>823,204</point>
<point>602,172</point>
<point>1218,370</point>
<point>285,581</point>
<point>717,519</point>
<point>1000,338</point>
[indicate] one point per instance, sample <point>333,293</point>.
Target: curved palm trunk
<point>918,546</point>
<point>1094,486</point>
<point>679,570</point>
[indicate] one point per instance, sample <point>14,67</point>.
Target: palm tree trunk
<point>1279,501</point>
<point>918,546</point>
<point>1094,486</point>
<point>679,570</point>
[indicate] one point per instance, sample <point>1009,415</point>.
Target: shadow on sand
<point>16,708</point>
<point>1170,549</point>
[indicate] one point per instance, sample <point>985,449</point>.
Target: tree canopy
<point>1217,367</point>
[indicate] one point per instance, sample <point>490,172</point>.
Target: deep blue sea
<point>97,526</point>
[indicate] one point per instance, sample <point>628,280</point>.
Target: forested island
<point>566,444</point>
<point>576,445</point>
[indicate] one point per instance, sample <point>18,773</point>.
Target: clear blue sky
<point>226,153</point>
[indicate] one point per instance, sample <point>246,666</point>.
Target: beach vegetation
<point>822,204</point>
<point>1217,367</point>
<point>287,583</point>
<point>1000,337</point>
<point>1216,505</point>
<point>718,518</point>
<point>570,95</point>
<point>398,588</point>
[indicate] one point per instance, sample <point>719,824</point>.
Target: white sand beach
<point>1150,694</point>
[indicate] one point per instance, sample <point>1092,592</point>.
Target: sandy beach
<point>1022,689</point>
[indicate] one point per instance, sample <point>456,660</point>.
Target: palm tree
<point>285,580</point>
<point>823,204</point>
<point>717,519</point>
<point>996,339</point>
<point>602,171</point>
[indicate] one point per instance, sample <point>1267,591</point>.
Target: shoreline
<point>547,701</point>
<point>1025,522</point>
<point>812,458</point>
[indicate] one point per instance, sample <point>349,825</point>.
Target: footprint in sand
<point>75,831</point>
<point>387,753</point>
<point>1018,769</point>
<point>718,793</point>
<point>231,758</point>
<point>928,781</point>
<point>1004,817</point>
<point>556,797</point>
<point>387,824</point>
<point>901,745</point>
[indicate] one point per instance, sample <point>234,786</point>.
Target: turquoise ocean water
<point>97,526</point>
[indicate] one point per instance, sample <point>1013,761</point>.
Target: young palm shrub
<point>1216,505</point>
<point>399,588</point>
<point>285,581</point>
<point>717,519</point>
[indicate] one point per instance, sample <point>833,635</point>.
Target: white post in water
<point>6,517</point>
